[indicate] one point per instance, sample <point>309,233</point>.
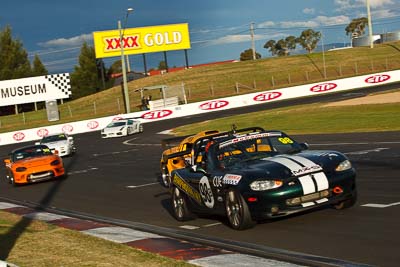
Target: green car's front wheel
<point>237,211</point>
<point>180,205</point>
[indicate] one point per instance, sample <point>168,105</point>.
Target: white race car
<point>122,127</point>
<point>61,142</point>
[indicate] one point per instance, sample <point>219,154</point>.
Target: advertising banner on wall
<point>142,40</point>
<point>35,89</point>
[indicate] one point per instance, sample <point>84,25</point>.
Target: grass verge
<point>310,119</point>
<point>36,243</point>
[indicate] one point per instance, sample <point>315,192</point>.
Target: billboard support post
<point>124,80</point>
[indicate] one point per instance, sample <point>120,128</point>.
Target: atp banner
<point>35,89</point>
<point>142,40</point>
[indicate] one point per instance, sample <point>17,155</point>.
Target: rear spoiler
<point>165,158</point>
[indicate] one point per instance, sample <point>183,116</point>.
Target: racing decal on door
<point>231,179</point>
<point>187,188</point>
<point>206,192</point>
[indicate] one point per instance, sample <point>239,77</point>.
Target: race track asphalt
<point>119,179</point>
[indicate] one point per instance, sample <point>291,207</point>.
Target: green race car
<point>253,174</point>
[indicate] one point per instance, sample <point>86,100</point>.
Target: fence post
<point>272,81</point>
<point>289,78</point>
<point>212,89</point>
<point>94,107</point>
<point>70,111</point>
<point>23,117</point>
<point>184,93</point>
<point>119,106</point>
<point>237,87</point>
<point>307,77</point>
<point>255,84</point>
<point>356,67</point>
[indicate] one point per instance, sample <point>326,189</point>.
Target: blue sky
<point>219,29</point>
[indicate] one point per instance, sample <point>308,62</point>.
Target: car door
<point>209,183</point>
<point>129,130</point>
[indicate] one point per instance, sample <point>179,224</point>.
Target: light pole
<point>124,80</point>
<point>371,44</point>
<point>323,54</point>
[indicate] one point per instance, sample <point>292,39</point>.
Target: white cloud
<point>309,11</point>
<point>383,13</point>
<point>375,3</point>
<point>68,42</point>
<point>326,21</point>
<point>266,24</point>
<point>297,24</point>
<point>351,5</point>
<point>315,22</point>
<point>230,39</point>
<point>239,38</point>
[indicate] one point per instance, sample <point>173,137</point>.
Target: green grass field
<point>310,119</point>
<point>38,244</point>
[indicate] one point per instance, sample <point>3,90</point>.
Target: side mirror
<point>304,146</point>
<point>197,168</point>
<point>7,161</point>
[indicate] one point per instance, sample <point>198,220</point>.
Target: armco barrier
<point>206,106</point>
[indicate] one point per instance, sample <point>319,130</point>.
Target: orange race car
<point>32,164</point>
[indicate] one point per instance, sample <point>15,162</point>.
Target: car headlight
<point>262,185</point>
<point>20,169</point>
<point>55,162</point>
<point>343,166</point>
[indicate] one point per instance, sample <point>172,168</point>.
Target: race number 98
<point>285,140</point>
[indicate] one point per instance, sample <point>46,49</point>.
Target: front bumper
<point>290,199</point>
<point>38,176</point>
<point>113,134</point>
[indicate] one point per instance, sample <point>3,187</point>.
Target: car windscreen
<point>30,152</point>
<point>256,146</point>
<point>116,124</point>
<point>54,138</point>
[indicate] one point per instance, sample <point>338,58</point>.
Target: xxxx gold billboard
<point>142,40</point>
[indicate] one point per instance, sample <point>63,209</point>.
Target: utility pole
<point>253,45</point>
<point>370,25</point>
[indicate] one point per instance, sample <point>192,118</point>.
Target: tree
<point>284,46</point>
<point>162,65</point>
<point>357,27</point>
<point>115,68</point>
<point>248,55</point>
<point>271,46</point>
<point>14,61</point>
<point>38,69</point>
<point>84,78</point>
<point>309,39</point>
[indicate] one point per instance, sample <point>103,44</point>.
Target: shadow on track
<point>8,240</point>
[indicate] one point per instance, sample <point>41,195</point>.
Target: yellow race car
<point>181,155</point>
